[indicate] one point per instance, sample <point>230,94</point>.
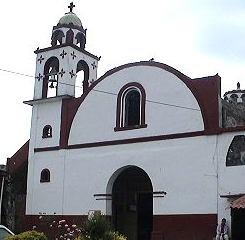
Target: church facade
<point>160,153</point>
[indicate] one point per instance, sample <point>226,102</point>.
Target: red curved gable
<point>206,91</point>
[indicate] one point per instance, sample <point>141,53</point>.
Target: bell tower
<point>57,69</point>
<point>57,66</point>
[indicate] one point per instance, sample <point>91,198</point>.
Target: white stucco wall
<point>184,168</point>
<point>48,113</point>
<point>97,114</point>
<point>230,178</point>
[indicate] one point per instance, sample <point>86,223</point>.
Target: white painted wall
<point>48,113</point>
<point>46,197</point>
<point>231,178</point>
<point>97,114</point>
<point>184,168</point>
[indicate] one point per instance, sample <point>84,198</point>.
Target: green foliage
<point>114,236</point>
<point>96,228</point>
<point>29,235</point>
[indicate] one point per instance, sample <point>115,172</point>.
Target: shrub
<point>114,236</point>
<point>96,228</point>
<point>29,235</point>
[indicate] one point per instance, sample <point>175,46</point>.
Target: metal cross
<point>71,6</point>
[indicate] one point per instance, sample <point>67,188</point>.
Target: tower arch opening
<point>81,40</point>
<point>57,37</point>
<point>82,82</point>
<point>50,81</point>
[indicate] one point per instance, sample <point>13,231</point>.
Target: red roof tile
<point>238,203</point>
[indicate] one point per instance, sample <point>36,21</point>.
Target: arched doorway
<point>132,204</point>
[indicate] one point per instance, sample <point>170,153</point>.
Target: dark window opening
<point>233,98</point>
<point>243,98</point>
<point>130,112</point>
<point>132,108</point>
<point>82,79</point>
<point>57,38</point>
<point>81,40</point>
<point>47,131</point>
<point>236,152</point>
<point>45,176</point>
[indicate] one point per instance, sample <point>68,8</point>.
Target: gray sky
<point>197,37</point>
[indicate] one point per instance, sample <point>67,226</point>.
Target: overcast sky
<point>197,37</point>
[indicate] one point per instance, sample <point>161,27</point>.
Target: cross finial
<point>71,6</point>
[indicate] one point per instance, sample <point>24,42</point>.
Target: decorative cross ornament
<point>39,77</point>
<point>94,65</point>
<point>62,72</point>
<point>73,55</point>
<point>72,74</point>
<point>40,59</point>
<point>63,53</point>
<point>71,6</point>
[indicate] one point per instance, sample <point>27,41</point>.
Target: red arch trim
<point>206,91</point>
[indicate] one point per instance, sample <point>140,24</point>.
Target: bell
<point>51,84</point>
<point>52,74</point>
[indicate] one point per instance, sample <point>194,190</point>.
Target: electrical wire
<point>22,74</point>
<point>105,92</point>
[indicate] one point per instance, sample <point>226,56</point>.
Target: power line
<point>105,92</point>
<point>161,103</point>
<point>22,74</point>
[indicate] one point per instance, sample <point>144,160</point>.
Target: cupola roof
<point>238,90</point>
<point>71,18</point>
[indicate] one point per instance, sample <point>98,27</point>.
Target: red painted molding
<point>116,129</point>
<point>46,149</point>
<point>232,129</point>
<point>125,141</point>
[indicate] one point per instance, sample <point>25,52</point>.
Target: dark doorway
<point>132,204</point>
<point>237,224</point>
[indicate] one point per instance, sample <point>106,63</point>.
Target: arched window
<point>81,39</point>
<point>130,107</point>
<point>45,175</point>
<point>47,131</point>
<point>236,152</point>
<point>243,98</point>
<point>233,98</point>
<point>57,37</point>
